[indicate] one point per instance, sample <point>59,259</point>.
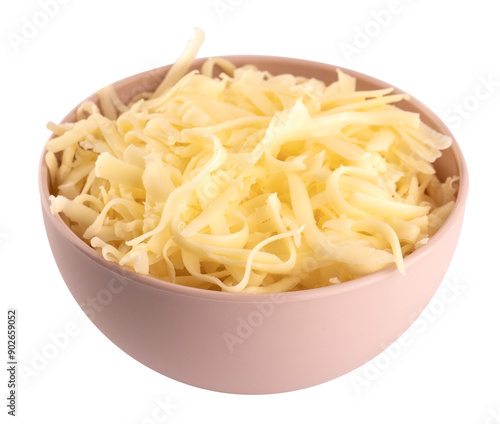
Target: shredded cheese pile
<point>247,181</point>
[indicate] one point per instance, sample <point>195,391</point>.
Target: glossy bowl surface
<point>262,343</point>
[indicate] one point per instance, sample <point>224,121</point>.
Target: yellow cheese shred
<point>244,181</point>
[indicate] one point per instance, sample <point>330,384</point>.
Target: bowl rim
<point>308,294</point>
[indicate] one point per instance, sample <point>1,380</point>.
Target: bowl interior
<point>450,163</point>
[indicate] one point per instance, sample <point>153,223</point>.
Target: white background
<point>442,52</point>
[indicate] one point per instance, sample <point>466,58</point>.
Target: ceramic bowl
<point>256,343</point>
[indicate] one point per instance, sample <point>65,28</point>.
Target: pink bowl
<point>256,343</point>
